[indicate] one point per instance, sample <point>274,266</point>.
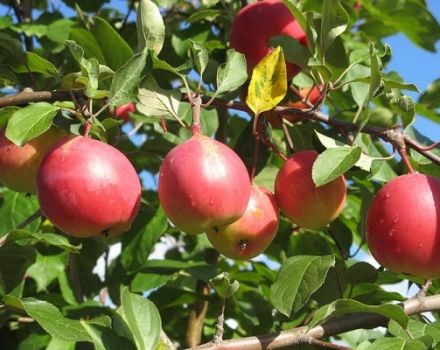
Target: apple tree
<point>217,174</point>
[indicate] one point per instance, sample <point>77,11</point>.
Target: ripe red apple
<point>88,188</point>
<point>203,184</point>
<point>301,201</point>
<point>403,225</point>
<point>124,111</point>
<point>256,23</point>
<point>311,94</point>
<point>18,165</point>
<point>252,233</point>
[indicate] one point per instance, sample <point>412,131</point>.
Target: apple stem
<point>87,127</point>
<point>262,130</point>
<point>196,104</point>
<point>287,136</point>
<point>219,326</point>
<point>404,154</point>
<point>255,158</point>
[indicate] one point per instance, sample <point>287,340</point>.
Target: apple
<point>256,23</point>
<point>18,165</point>
<point>88,188</point>
<point>403,225</point>
<point>253,232</point>
<point>301,201</point>
<point>312,94</point>
<point>123,111</point>
<point>203,184</point>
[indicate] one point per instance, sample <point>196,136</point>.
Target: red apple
<point>250,235</point>
<point>255,24</point>
<point>301,201</point>
<point>403,225</point>
<point>124,111</point>
<point>88,188</point>
<point>18,165</point>
<point>203,184</point>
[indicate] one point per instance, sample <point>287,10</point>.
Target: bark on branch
<point>302,335</point>
<point>385,134</point>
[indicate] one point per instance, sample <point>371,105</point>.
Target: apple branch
<point>304,335</point>
<point>36,96</point>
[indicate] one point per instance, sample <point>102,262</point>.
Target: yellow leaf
<point>268,84</point>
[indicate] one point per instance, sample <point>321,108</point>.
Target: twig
<point>27,97</point>
<point>302,335</point>
<point>219,329</point>
<point>130,9</point>
<point>197,315</point>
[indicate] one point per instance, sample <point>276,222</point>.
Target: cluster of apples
<point>84,187</point>
<point>205,187</point>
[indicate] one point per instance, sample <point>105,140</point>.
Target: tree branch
<point>385,134</point>
<point>302,335</point>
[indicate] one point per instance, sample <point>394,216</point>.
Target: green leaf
<point>50,318</point>
<point>36,64</point>
<point>15,208</point>
<point>45,238</point>
<point>223,285</point>
<point>364,162</point>
<point>104,338</point>
<point>293,50</point>
<point>157,102</point>
<point>135,252</point>
<point>127,79</point>
<point>333,163</point>
<point>46,269</point>
<point>6,114</point>
<point>346,306</point>
<point>200,56</point>
<point>299,16</point>
<point>268,84</point>
<point>334,22</point>
<point>29,122</point>
<point>90,66</point>
<point>376,75</point>
<point>59,30</point>
<point>150,27</point>
<point>361,272</point>
<point>431,97</point>
<point>299,277</point>
<point>233,74</point>
<point>114,48</point>
<point>13,47</point>
<point>143,282</point>
<point>142,318</point>
<point>14,261</point>
<point>404,106</point>
<point>397,344</point>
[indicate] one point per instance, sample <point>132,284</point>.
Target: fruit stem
<point>255,159</point>
<point>196,104</point>
<point>406,161</point>
<point>219,326</point>
<point>87,127</point>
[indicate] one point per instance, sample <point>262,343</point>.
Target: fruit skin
<point>403,225</point>
<point>301,201</point>
<point>123,111</point>
<point>253,232</point>
<point>202,184</point>
<point>256,23</point>
<point>88,188</point>
<point>312,93</point>
<point>19,165</point>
